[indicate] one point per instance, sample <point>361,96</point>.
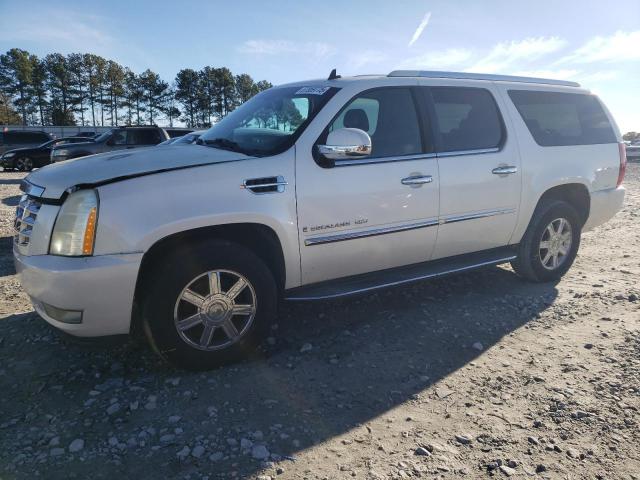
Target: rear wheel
<point>208,305</point>
<point>550,244</point>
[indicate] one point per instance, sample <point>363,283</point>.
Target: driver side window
<point>389,116</point>
<point>119,138</point>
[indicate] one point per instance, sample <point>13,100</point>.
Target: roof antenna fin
<point>333,75</point>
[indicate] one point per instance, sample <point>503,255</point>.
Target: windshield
<point>103,136</point>
<point>270,122</point>
<point>188,138</point>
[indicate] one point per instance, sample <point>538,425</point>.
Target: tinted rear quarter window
<point>144,137</point>
<point>466,119</point>
<point>561,119</point>
<point>35,137</point>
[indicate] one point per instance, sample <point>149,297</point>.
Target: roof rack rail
<point>480,76</point>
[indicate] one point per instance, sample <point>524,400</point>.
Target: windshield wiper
<point>225,144</point>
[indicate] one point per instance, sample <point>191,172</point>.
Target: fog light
<point>61,315</point>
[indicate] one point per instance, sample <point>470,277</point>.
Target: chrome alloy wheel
<point>555,243</point>
<point>24,164</point>
<point>215,310</point>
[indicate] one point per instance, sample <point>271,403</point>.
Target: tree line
<point>89,90</point>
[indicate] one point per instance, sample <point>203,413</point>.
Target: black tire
<point>167,281</point>
<point>19,164</point>
<point>529,264</point>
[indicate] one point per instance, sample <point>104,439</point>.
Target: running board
<point>368,282</point>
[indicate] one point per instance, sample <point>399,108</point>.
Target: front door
<point>479,166</point>
<point>369,214</point>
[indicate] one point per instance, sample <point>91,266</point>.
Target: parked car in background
<point>187,139</point>
<point>12,139</point>
<point>26,159</point>
<point>120,138</point>
<point>85,134</point>
<point>317,190</point>
<point>633,151</point>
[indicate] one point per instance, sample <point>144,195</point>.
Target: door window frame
<point>425,93</point>
<point>427,141</point>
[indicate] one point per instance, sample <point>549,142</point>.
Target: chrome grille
<point>26,214</point>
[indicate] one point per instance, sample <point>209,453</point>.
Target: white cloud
<point>63,30</point>
<point>450,58</point>
<point>506,56</point>
<point>279,47</point>
<point>619,47</point>
<point>367,57</point>
<point>560,74</point>
<point>420,29</point>
<point>597,77</point>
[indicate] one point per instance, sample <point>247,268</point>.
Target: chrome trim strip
<point>480,76</point>
<point>473,216</point>
<point>469,152</point>
<point>31,189</point>
<point>368,233</point>
<point>280,183</point>
<point>337,152</point>
<point>398,158</point>
<point>406,280</point>
<point>340,237</point>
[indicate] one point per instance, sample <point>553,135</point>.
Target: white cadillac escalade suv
<point>316,190</point>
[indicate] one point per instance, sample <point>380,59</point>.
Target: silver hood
<point>53,180</point>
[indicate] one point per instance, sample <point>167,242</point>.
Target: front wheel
<point>24,164</point>
<point>208,305</point>
<point>550,244</point>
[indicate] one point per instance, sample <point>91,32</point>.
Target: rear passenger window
<point>34,137</point>
<point>558,118</point>
<point>389,116</point>
<point>143,137</point>
<point>467,119</point>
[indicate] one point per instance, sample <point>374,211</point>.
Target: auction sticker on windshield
<point>312,91</point>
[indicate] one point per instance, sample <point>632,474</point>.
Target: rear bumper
<point>100,287</point>
<point>604,205</point>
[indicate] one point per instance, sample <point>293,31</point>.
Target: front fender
<point>136,213</point>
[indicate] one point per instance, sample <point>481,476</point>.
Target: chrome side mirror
<point>346,143</point>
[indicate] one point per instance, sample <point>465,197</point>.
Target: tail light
<point>623,163</point>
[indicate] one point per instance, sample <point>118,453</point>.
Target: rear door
<point>479,168</point>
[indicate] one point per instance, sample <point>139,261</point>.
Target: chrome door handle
<point>417,180</point>
<point>505,170</point>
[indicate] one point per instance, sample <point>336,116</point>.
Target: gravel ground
<point>477,375</point>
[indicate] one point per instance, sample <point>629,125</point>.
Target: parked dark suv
<point>118,138</point>
<point>26,159</point>
<point>12,139</point>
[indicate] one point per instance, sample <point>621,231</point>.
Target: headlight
<point>9,155</point>
<point>60,153</point>
<point>75,228</point>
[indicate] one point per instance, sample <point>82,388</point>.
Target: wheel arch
<point>575,194</point>
<point>259,238</point>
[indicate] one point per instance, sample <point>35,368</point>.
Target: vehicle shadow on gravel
<point>11,201</point>
<point>10,181</point>
<point>329,367</point>
<point>6,259</point>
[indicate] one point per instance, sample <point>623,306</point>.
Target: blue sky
<point>594,42</point>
